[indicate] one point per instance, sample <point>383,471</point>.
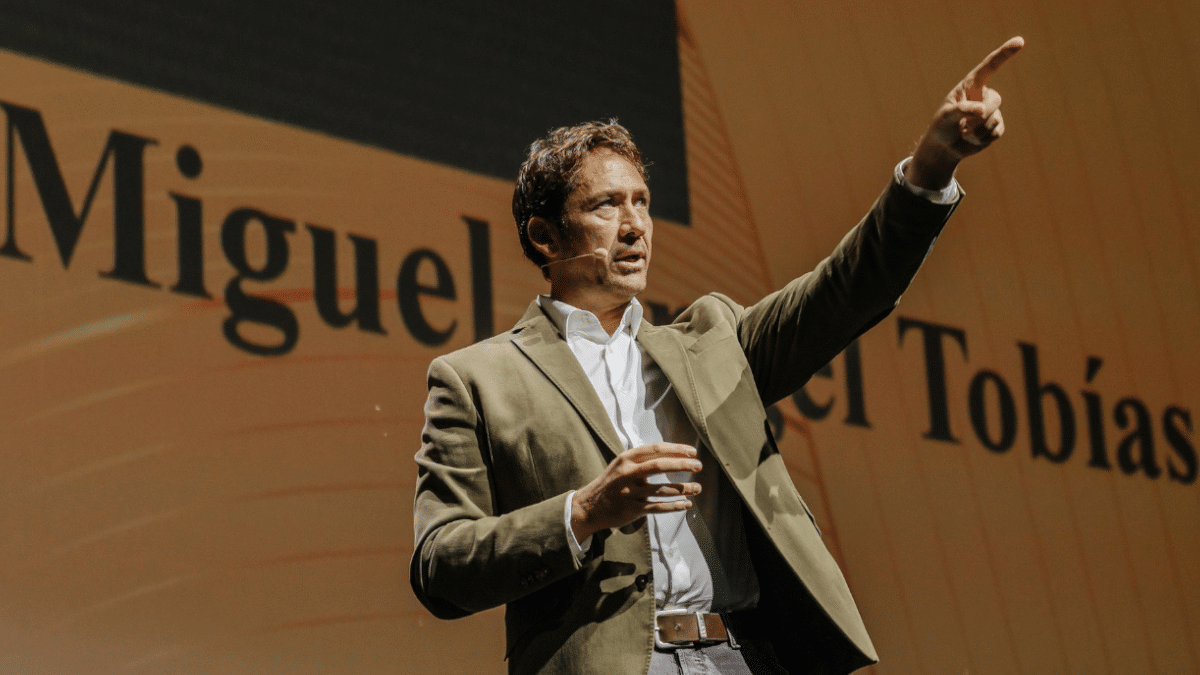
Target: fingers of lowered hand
<point>677,489</point>
<point>668,465</point>
<point>659,458</point>
<point>643,452</point>
<point>980,74</point>
<point>664,490</point>
<point>668,506</point>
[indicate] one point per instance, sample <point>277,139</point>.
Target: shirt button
<point>642,581</point>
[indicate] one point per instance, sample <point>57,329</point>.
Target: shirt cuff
<point>947,195</point>
<point>578,549</point>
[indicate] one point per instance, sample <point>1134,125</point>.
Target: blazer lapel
<point>666,347</point>
<point>539,340</point>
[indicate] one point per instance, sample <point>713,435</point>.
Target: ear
<point>544,237</point>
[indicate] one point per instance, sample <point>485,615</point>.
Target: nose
<point>634,222</point>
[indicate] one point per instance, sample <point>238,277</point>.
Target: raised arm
<point>793,332</point>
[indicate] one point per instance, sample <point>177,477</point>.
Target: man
<point>615,484</point>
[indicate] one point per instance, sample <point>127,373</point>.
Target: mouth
<point>632,262</point>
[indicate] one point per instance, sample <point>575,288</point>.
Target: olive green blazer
<point>513,424</point>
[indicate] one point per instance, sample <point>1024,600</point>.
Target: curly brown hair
<point>550,172</point>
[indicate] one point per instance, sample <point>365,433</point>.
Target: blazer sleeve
<point>467,557</point>
<point>790,334</point>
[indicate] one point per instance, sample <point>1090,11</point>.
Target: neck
<point>608,311</point>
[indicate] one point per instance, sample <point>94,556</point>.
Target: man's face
<point>609,208</point>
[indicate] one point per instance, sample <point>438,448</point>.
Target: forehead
<point>604,171</point>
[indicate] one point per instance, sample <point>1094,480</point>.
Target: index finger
<point>980,74</point>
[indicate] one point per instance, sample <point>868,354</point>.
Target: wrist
<point>579,548</point>
<point>931,168</point>
<point>580,526</point>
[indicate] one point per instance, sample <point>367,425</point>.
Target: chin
<point>624,292</point>
<point>631,287</point>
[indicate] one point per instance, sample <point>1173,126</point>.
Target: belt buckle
<point>701,629</point>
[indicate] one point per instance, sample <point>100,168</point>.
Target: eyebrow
<point>610,193</point>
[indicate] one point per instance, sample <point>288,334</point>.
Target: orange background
<point>174,505</point>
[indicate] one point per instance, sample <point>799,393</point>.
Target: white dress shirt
<point>644,409</point>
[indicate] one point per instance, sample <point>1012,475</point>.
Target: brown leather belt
<point>684,629</point>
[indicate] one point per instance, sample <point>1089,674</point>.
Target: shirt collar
<point>567,318</point>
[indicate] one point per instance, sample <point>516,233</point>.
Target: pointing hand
<point>968,121</point>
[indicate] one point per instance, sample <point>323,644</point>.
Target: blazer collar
<point>537,337</point>
<point>539,340</point>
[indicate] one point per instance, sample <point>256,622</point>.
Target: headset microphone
<point>600,255</point>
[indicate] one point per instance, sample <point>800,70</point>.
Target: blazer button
<point>642,581</point>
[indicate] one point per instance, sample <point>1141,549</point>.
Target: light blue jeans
<point>716,659</point>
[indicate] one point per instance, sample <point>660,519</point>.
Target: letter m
<point>66,223</point>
